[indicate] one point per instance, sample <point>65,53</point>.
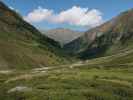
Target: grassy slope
<point>24,54</point>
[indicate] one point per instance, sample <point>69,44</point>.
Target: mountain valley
<point>62,64</point>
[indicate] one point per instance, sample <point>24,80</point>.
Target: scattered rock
<point>5,71</point>
<point>19,89</point>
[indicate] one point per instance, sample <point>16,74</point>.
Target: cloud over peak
<point>74,16</point>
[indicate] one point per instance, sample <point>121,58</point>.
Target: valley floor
<point>69,82</point>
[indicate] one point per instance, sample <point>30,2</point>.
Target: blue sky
<point>107,9</point>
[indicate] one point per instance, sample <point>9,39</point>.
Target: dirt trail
<point>41,71</point>
<point>36,72</point>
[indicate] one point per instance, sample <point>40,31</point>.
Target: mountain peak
<point>62,35</point>
<point>2,5</point>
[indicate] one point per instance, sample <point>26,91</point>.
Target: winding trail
<point>36,72</point>
<point>44,70</point>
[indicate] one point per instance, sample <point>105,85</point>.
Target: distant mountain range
<point>63,36</point>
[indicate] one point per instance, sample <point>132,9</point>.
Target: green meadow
<point>83,82</point>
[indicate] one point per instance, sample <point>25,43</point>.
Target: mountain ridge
<point>62,35</point>
<point>23,46</point>
<point>98,40</point>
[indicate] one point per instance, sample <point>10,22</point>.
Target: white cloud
<point>38,15</point>
<point>74,16</point>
